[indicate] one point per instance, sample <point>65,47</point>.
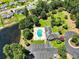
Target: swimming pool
<point>39,32</point>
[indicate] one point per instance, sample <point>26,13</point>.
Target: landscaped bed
<point>57,44</point>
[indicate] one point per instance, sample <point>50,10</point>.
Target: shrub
<point>72,17</point>
<point>65,26</point>
<point>66,17</point>
<point>59,41</point>
<point>27,34</point>
<point>60,32</point>
<point>75,39</point>
<point>54,12</point>
<point>62,52</point>
<point>43,14</point>
<point>60,9</point>
<point>15,51</point>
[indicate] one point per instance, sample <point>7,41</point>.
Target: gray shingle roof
<point>48,31</point>
<point>21,11</point>
<point>7,15</point>
<point>22,0</point>
<point>4,6</point>
<point>29,7</point>
<point>42,51</point>
<point>52,36</point>
<point>11,3</point>
<point>4,16</point>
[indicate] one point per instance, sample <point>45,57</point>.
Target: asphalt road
<point>73,51</point>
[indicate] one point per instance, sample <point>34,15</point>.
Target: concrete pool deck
<point>42,33</point>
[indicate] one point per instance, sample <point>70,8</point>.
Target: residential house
<point>20,11</point>
<point>52,36</point>
<point>22,0</point>
<point>12,3</point>
<point>5,16</point>
<point>29,7</point>
<point>3,6</point>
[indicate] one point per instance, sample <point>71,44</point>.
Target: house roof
<point>22,0</point>
<point>29,7</point>
<point>48,31</point>
<point>7,15</point>
<point>4,6</point>
<point>20,11</point>
<point>42,51</point>
<point>11,3</point>
<point>52,36</point>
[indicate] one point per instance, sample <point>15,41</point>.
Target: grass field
<point>38,42</point>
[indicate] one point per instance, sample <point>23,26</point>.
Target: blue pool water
<point>39,32</point>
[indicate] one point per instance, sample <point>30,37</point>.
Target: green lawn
<point>19,16</point>
<point>56,45</point>
<point>38,42</point>
<point>45,22</point>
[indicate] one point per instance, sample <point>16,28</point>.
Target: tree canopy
<point>27,34</point>
<point>15,51</point>
<point>62,52</point>
<point>26,23</point>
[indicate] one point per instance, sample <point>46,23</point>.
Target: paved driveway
<point>73,51</point>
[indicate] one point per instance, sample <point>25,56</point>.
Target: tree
<point>34,12</point>
<point>43,5</point>
<point>27,34</point>
<point>26,11</point>
<point>62,52</point>
<point>72,6</point>
<point>56,4</point>
<point>66,17</point>
<point>75,39</point>
<point>72,17</point>
<point>29,22</point>
<point>22,24</point>
<point>35,20</point>
<point>56,22</point>
<point>15,51</point>
<point>26,23</point>
<point>65,26</point>
<point>54,12</point>
<point>43,15</point>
